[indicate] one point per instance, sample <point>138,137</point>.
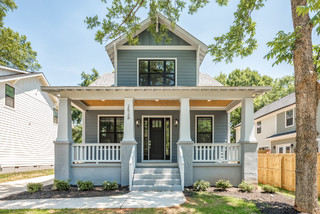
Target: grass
<point>24,175</point>
<point>202,202</point>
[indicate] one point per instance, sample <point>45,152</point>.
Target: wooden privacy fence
<point>279,170</point>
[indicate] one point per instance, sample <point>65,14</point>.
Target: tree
<point>15,50</point>
<point>76,115</point>
<point>121,18</point>
<point>247,77</point>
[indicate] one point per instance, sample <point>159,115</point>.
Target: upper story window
<point>289,118</point>
<point>55,116</point>
<point>204,129</point>
<point>110,129</point>
<point>10,93</point>
<point>258,127</point>
<point>157,72</point>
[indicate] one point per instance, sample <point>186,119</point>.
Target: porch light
<point>102,100</point>
<point>157,100</point>
<point>209,100</point>
<point>291,145</point>
<point>176,122</point>
<point>138,122</point>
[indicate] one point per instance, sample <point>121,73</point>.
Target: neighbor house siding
<point>281,122</point>
<point>281,142</point>
<point>268,128</point>
<point>127,65</point>
<point>27,130</point>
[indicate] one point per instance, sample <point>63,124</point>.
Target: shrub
<point>246,187</point>
<point>107,185</point>
<point>223,184</point>
<point>201,185</point>
<point>34,187</point>
<point>269,189</point>
<point>61,184</point>
<point>84,185</point>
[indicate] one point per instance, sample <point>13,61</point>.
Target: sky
<point>65,46</point>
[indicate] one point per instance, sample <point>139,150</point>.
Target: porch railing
<point>95,152</point>
<point>216,152</point>
<point>181,165</point>
<point>132,165</point>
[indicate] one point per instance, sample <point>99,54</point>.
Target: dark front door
<point>156,138</point>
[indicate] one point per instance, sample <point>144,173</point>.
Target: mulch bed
<point>73,192</point>
<point>275,203</point>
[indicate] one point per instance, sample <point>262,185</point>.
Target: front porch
<point>188,127</point>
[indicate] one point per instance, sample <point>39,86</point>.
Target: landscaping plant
<point>84,185</point>
<point>107,185</point>
<point>223,184</point>
<point>201,185</point>
<point>61,184</point>
<point>269,189</point>
<point>246,187</point>
<point>34,187</point>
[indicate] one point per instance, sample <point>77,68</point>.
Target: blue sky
<point>66,47</point>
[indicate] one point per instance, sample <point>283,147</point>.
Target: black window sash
<point>114,133</point>
<point>211,140</point>
<point>164,74</point>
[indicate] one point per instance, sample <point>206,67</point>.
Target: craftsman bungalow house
<point>158,127</point>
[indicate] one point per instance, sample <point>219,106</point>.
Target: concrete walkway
<point>14,187</point>
<point>130,200</point>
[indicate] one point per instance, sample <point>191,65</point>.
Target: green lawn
<point>203,202</point>
<point>24,175</point>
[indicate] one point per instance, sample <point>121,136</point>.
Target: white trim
<point>198,65</point>
<point>159,58</point>
<point>196,126</point>
<point>13,69</point>
<point>98,124</point>
<point>142,136</point>
<point>228,129</point>
<point>282,137</point>
<point>293,118</point>
<point>156,47</point>
<point>115,65</point>
<point>216,108</point>
<point>284,148</point>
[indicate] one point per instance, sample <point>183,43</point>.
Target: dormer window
<point>157,72</point>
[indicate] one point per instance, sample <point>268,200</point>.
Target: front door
<point>156,139</point>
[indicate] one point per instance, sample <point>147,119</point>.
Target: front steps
<point>156,179</point>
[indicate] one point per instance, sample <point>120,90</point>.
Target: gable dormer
<point>157,64</point>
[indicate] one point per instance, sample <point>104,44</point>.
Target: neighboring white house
<point>28,119</point>
<point>275,126</point>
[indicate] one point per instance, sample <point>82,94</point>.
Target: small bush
<point>34,187</point>
<point>61,184</point>
<point>201,185</point>
<point>246,187</point>
<point>107,185</point>
<point>84,185</point>
<point>269,189</point>
<point>223,184</point>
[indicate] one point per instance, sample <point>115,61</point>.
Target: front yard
<point>24,175</point>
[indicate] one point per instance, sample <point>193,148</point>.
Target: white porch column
<point>249,145</point>
<point>184,135</point>
<point>83,126</point>
<point>62,145</point>
<point>228,129</point>
<point>128,140</point>
<point>247,121</point>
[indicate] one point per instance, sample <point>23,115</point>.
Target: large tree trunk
<point>306,111</point>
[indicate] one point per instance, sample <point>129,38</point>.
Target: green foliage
<point>107,185</point>
<point>246,187</point>
<point>61,184</point>
<point>223,184</point>
<point>34,187</point>
<point>77,134</point>
<point>313,7</point>
<point>87,79</point>
<point>269,189</point>
<point>84,185</point>
<point>201,185</point>
<point>5,7</point>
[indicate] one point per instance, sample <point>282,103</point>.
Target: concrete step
<point>157,170</point>
<point>156,188</point>
<point>138,176</point>
<point>156,182</point>
<point>156,165</point>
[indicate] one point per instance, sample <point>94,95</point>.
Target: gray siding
<point>146,38</point>
<point>127,65</point>
<point>281,120</point>
<point>220,126</point>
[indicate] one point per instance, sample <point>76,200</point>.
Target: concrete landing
<point>130,200</point>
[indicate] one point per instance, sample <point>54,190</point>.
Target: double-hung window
<point>110,129</point>
<point>258,127</point>
<point>9,98</point>
<point>289,118</point>
<point>157,72</point>
<point>204,129</point>
<point>55,115</point>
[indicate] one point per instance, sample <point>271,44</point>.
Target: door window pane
<point>280,149</point>
<point>288,149</point>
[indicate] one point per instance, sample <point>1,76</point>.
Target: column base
<point>62,159</point>
<point>126,147</point>
<point>187,149</point>
<point>249,161</point>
